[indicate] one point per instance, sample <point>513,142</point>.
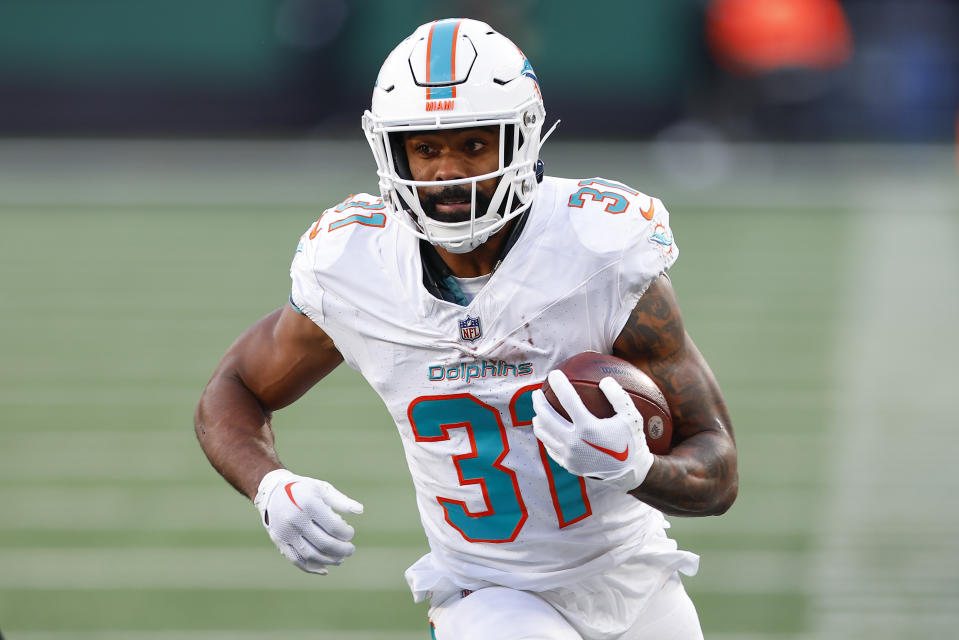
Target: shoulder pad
<point>607,216</point>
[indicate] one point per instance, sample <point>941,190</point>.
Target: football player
<point>456,291</point>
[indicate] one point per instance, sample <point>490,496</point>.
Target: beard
<point>450,195</point>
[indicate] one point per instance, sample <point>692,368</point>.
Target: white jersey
<point>457,379</point>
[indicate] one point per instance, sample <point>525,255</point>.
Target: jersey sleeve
<point>622,237</point>
<point>650,252</point>
<point>306,294</point>
<point>317,264</point>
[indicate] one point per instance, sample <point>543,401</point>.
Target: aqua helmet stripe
<point>441,59</point>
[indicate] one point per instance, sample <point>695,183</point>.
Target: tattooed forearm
<point>699,475</point>
<point>697,478</point>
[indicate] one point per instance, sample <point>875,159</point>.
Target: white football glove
<point>298,513</point>
<point>613,450</point>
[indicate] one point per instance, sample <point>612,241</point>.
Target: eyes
<point>452,153</point>
<point>475,145</point>
<point>426,148</point>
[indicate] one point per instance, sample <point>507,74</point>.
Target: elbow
<point>727,486</point>
<point>200,413</point>
<point>726,499</point>
<point>198,421</point>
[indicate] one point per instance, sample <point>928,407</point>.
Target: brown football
<point>586,369</point>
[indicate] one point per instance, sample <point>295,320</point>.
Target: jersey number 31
<point>432,417</point>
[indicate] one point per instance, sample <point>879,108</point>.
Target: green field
<point>821,283</point>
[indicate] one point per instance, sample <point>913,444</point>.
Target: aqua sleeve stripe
<point>296,308</point>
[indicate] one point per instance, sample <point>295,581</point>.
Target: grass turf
<point>114,316</point>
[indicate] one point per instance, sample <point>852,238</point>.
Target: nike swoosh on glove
<point>300,515</point>
<point>613,450</point>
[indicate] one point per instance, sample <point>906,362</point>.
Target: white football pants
<point>508,614</point>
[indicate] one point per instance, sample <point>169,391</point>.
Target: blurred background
<point>159,160</point>
<point>791,70</point>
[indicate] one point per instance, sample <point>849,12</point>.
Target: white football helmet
<point>457,73</point>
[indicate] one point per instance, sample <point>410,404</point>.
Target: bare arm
<point>699,475</point>
<point>268,367</point>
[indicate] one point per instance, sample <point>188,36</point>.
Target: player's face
<point>451,154</point>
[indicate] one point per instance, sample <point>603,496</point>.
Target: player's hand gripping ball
<point>585,370</point>
<point>299,514</point>
<point>594,427</point>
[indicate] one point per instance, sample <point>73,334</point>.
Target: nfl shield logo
<point>470,329</point>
